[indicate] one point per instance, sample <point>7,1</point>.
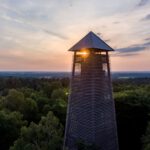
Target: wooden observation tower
<point>91,111</point>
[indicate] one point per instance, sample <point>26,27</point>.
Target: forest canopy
<point>33,113</point>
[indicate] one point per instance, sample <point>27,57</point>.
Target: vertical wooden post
<point>73,65</point>
<point>108,66</point>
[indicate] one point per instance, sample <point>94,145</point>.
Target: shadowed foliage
<point>33,109</point>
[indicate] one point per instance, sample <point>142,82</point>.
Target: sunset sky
<point>36,34</point>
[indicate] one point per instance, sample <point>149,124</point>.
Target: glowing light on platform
<point>84,53</point>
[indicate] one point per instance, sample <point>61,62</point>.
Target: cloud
<point>55,34</point>
<point>147,17</point>
<point>31,17</point>
<point>143,3</point>
<point>32,25</point>
<point>147,39</point>
<point>133,49</point>
<point>116,22</point>
<point>147,44</point>
<point>124,54</point>
<point>52,26</point>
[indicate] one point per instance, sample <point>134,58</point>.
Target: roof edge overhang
<point>94,49</point>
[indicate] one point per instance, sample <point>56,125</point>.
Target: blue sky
<point>36,34</point>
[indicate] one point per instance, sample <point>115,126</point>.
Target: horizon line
<point>58,71</point>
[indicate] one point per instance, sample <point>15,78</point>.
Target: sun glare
<point>84,53</point>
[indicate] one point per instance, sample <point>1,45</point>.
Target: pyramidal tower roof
<point>91,41</point>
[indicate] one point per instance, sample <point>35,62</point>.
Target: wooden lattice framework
<point>91,110</point>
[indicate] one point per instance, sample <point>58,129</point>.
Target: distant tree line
<point>33,113</point>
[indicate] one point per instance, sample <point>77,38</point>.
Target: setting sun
<point>84,53</point>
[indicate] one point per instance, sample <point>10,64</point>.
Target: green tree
<point>30,110</point>
<point>10,124</point>
<point>14,101</point>
<point>132,109</point>
<point>49,87</point>
<point>146,138</point>
<point>47,135</point>
<point>59,104</point>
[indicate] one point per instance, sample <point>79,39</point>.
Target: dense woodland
<point>33,111</point>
